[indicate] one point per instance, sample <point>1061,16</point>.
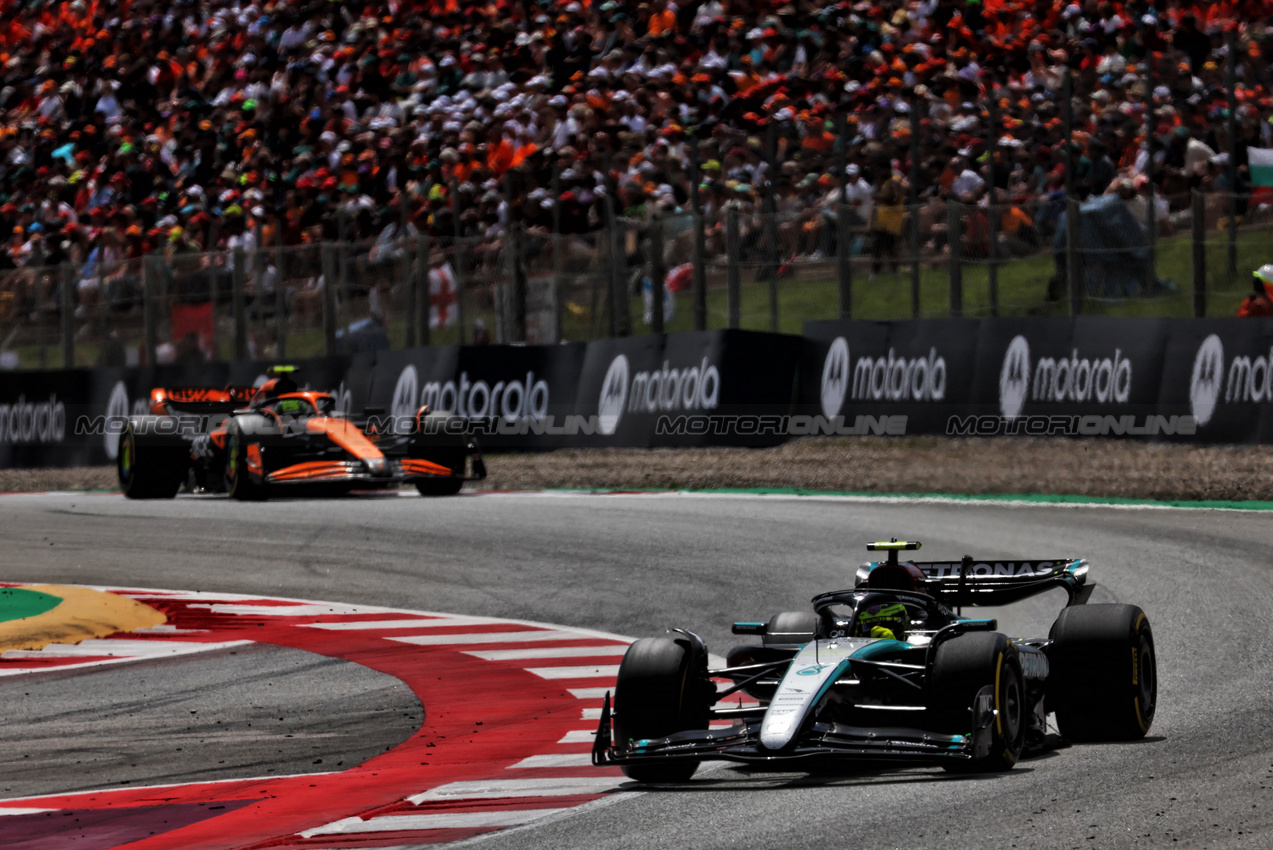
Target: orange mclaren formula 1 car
<point>251,441</point>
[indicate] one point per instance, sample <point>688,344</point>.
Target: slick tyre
<point>238,479</point>
<point>1104,678</point>
<point>790,628</point>
<point>149,468</point>
<point>433,442</point>
<point>963,667</point>
<point>661,689</point>
<point>452,457</point>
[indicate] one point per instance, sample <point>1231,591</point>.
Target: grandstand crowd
<point>129,127</point>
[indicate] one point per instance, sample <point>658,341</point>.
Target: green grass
<point>811,292</point>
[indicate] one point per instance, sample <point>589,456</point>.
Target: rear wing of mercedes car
<point>969,581</point>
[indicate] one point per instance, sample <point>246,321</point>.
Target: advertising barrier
<point>1166,379</point>
<point>705,388</point>
<point>1172,379</point>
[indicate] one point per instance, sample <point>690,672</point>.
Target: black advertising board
<point>38,411</point>
<point>867,371</point>
<point>1070,377</point>
<point>1218,372</point>
<point>1174,379</point>
<point>729,388</point>
<point>517,397</point>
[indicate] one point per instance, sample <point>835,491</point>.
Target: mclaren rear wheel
<point>149,468</point>
<point>661,689</point>
<point>1104,679</point>
<point>969,670</point>
<point>238,477</point>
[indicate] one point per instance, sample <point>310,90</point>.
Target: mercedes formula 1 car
<point>251,441</point>
<point>889,670</point>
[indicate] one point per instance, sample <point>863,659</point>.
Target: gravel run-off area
<point>1008,465</point>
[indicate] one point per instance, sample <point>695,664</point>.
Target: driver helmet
<point>887,620</point>
<point>1263,280</point>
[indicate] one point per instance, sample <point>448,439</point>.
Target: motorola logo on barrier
<point>663,390</point>
<point>516,399</point>
<point>1248,379</point>
<point>885,378</point>
<point>1100,379</point>
<point>34,422</point>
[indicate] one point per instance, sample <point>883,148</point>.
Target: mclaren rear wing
<point>200,401</point>
<point>972,582</point>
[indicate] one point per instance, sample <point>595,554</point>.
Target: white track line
<point>547,652</point>
<point>492,789</point>
<point>492,637</point>
<point>575,672</point>
<point>590,693</point>
<point>459,820</point>
<point>554,760</point>
<point>435,623</point>
<point>866,499</point>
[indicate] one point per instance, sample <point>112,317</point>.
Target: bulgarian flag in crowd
<point>1261,161</point>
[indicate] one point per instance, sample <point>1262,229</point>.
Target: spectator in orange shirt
<point>662,19</point>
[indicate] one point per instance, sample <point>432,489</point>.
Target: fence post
<point>516,283</point>
<point>237,301</point>
<point>731,260</point>
<point>657,274</point>
<point>615,292</point>
<point>422,301</point>
<point>406,274</point>
<point>992,217</point>
<point>955,239</point>
<point>1197,208</point>
<point>66,289</point>
<point>771,234</point>
<point>328,258</point>
<point>36,265</point>
<point>621,311</point>
<point>699,259</point>
<point>913,203</point>
<point>280,293</point>
<point>1073,281</point>
<point>1231,86</point>
<point>150,309</point>
<point>844,258</point>
<point>698,255</point>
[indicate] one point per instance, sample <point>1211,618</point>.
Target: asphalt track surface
<point>634,565</point>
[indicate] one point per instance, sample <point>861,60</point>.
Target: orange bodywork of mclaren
<point>345,434</point>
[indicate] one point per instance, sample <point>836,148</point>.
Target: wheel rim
<point>126,458</point>
<point>1011,710</point>
<point>1147,678</point>
<point>232,456</point>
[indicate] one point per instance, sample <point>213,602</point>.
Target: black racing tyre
<point>238,481</point>
<point>453,458</point>
<point>1103,683</point>
<point>434,442</point>
<point>150,468</point>
<point>790,628</point>
<point>962,667</point>
<point>661,689</point>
